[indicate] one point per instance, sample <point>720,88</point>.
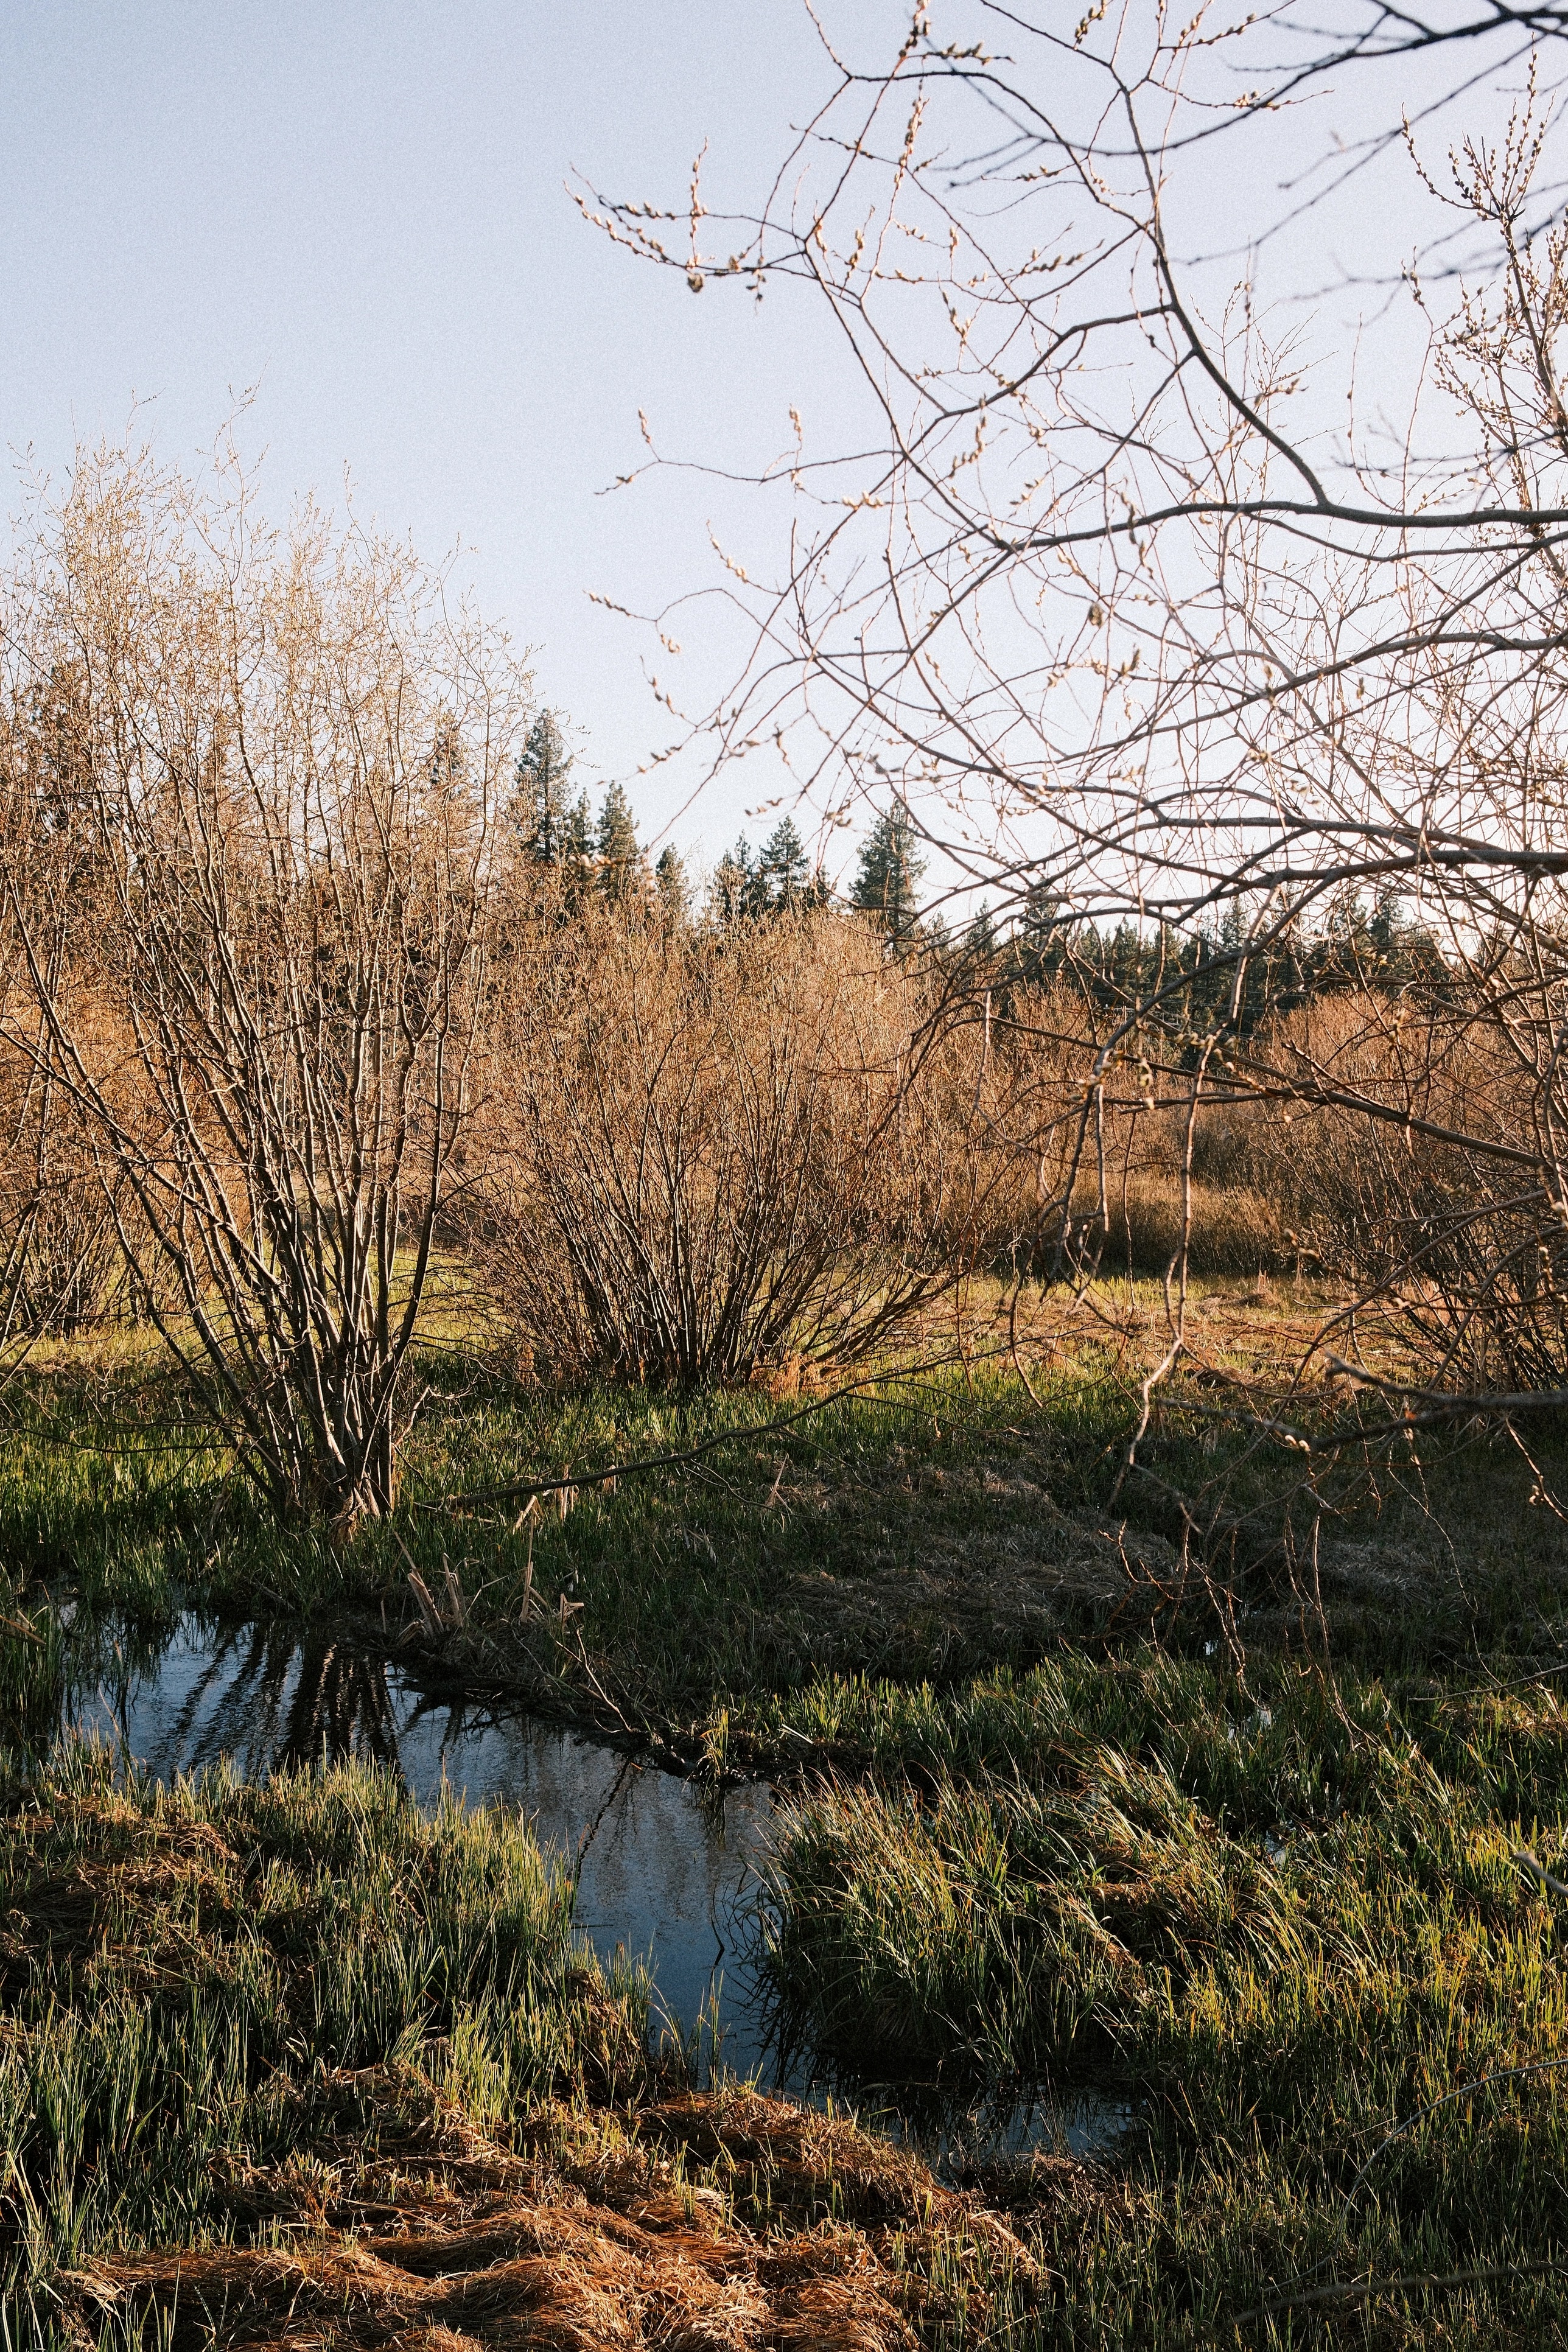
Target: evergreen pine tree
<point>733,891</point>
<point>1388,937</point>
<point>540,809</point>
<point>1042,940</point>
<point>889,868</point>
<point>784,869</point>
<point>577,850</point>
<point>674,891</point>
<point>980,940</point>
<point>623,871</point>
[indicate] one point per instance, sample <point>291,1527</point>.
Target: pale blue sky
<point>359,209</point>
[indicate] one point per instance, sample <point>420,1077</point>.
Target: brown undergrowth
<point>699,2223</point>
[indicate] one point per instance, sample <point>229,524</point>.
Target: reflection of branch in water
<point>259,1695</point>
<point>591,1828</point>
<point>102,1664</point>
<point>287,1702</point>
<point>268,1700</point>
<point>461,1720</point>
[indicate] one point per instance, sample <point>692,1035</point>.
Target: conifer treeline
<point>1189,976</point>
<point>558,831</point>
<point>1192,977</point>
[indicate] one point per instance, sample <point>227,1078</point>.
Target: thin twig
<point>525,1488</point>
<point>1464,2091</point>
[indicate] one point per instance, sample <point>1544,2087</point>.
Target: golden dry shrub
<point>707,1153</point>
<point>250,778</point>
<point>1412,1151</point>
<point>1093,1134</point>
<point>58,1258</point>
<point>63,1268</point>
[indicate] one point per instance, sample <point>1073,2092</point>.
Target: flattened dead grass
<point>707,2222</point>
<point>294,2068</point>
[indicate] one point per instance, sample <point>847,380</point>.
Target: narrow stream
<point>665,1872</point>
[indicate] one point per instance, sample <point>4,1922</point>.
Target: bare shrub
<point>1086,1163</point>
<point>1414,1151</point>
<point>710,1153</point>
<point>249,778</point>
<point>61,1270</point>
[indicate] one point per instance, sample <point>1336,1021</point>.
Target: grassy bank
<point>194,1982</point>
<point>1275,1921</point>
<point>929,1525</point>
<point>297,2065</point>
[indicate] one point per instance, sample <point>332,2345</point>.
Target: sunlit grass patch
<point>179,1968</point>
<point>1283,1921</point>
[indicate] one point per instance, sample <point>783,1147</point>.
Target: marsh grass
<point>1283,1919</point>
<point>301,2065</point>
<point>180,1966</point>
<point>1043,1822</point>
<point>938,1522</point>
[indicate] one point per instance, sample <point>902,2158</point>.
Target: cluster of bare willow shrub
<point>60,1270</point>
<point>249,779</point>
<point>1413,1149</point>
<point>284,1010</point>
<point>710,1150</point>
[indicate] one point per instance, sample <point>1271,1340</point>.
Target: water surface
<point>666,1871</point>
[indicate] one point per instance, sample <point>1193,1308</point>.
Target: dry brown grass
<point>713,2222</point>
<point>401,2177</point>
<point>1228,1230</point>
<point>1095,1145</point>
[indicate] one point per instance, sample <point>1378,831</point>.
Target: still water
<point>665,1872</point>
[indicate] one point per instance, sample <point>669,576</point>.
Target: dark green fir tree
<point>889,870</point>
<point>732,894</point>
<point>980,940</point>
<point>783,870</point>
<point>672,889</point>
<point>577,852</point>
<point>540,807</point>
<point>622,868</point>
